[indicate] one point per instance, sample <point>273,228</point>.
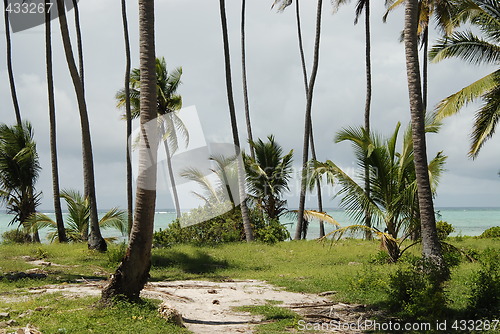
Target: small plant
<point>485,297</point>
<point>415,290</point>
<point>116,253</point>
<point>444,229</point>
<point>15,236</point>
<point>492,232</point>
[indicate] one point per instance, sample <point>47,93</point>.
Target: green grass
<point>346,267</point>
<point>279,320</point>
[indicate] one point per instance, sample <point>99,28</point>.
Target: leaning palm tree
<point>307,125</point>
<point>19,171</point>
<point>430,243</point>
<point>79,42</point>
<point>169,102</point>
<point>96,241</point>
<point>52,122</point>
<point>485,49</point>
<point>234,126</point>
<point>244,76</point>
<point>128,115</point>
<point>133,272</point>
<point>268,175</point>
<point>9,64</point>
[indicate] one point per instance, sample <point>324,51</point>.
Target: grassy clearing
<point>348,267</point>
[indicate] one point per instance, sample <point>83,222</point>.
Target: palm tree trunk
<point>61,232</point>
<point>79,43</point>
<point>9,65</point>
<point>96,240</point>
<point>425,68</point>
<point>368,218</point>
<point>128,115</point>
<point>244,77</point>
<point>431,248</point>
<point>232,113</point>
<point>171,171</point>
<point>133,272</point>
<point>307,126</point>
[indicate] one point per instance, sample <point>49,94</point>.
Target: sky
<point>188,34</point>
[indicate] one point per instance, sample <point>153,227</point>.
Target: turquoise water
<point>467,221</point>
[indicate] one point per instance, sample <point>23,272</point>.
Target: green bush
<point>492,232</point>
<point>15,236</point>
<point>485,297</point>
<point>444,229</point>
<point>414,290</point>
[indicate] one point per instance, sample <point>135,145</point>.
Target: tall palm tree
<point>128,115</point>
<point>19,171</point>
<point>9,64</point>
<point>244,76</point>
<point>168,103</point>
<point>430,243</point>
<point>133,272</point>
<point>282,5</point>
<point>234,126</point>
<point>79,42</point>
<point>96,241</point>
<point>61,232</point>
<point>484,49</point>
<point>268,175</point>
<point>307,125</point>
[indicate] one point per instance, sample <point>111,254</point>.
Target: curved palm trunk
<point>128,115</point>
<point>311,137</point>
<point>9,65</point>
<point>368,218</point>
<point>171,172</point>
<point>133,272</point>
<point>96,240</point>
<point>61,232</point>
<point>431,247</point>
<point>79,43</point>
<point>307,126</point>
<point>244,78</point>
<point>232,113</point>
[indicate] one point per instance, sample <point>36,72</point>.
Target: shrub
<point>485,297</point>
<point>15,236</point>
<point>414,290</point>
<point>444,229</point>
<point>492,232</point>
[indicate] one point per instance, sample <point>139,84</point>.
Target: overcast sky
<point>188,34</point>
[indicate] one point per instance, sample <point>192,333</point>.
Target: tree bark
<point>232,113</point>
<point>430,244</point>
<point>244,78</point>
<point>79,43</point>
<point>128,115</point>
<point>96,241</point>
<point>61,232</point>
<point>9,65</point>
<point>133,272</point>
<point>425,57</point>
<point>307,125</point>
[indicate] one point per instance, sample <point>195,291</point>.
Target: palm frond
<point>115,219</point>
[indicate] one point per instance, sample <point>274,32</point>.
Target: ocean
<point>466,221</point>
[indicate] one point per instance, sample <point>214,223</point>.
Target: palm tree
<point>79,42</point>
<point>485,49</point>
<point>307,125</point>
<point>96,241</point>
<point>52,121</point>
<point>234,125</point>
<point>430,243</point>
<point>391,202</point>
<point>19,171</point>
<point>168,103</point>
<point>133,272</point>
<point>282,5</point>
<point>268,175</point>
<point>244,76</point>
<point>78,218</point>
<point>128,115</point>
<point>443,12</point>
<point>9,64</point>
